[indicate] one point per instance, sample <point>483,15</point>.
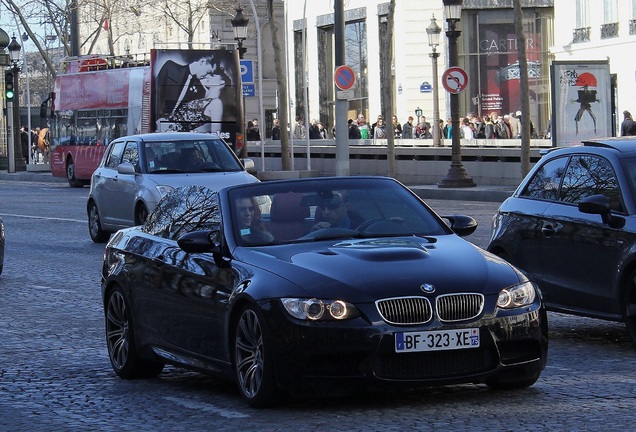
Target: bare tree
<point>388,88</point>
<point>187,15</point>
<point>281,78</point>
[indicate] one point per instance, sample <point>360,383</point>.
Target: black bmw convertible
<point>317,286</point>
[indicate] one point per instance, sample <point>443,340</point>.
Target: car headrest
<point>286,208</point>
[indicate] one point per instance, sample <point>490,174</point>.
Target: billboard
<point>499,71</point>
<point>198,91</point>
<point>581,106</point>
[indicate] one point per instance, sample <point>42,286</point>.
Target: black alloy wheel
<point>252,360</point>
<point>120,340</point>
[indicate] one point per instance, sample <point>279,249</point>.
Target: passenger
<point>334,213</point>
<point>251,225</point>
<point>191,159</point>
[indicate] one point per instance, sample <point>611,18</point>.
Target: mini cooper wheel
<point>252,360</point>
<point>98,235</point>
<point>629,307</point>
<point>120,340</point>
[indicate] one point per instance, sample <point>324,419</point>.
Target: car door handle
<point>548,231</point>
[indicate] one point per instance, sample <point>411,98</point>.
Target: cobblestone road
<point>55,374</point>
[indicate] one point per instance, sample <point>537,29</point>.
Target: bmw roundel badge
<point>427,288</point>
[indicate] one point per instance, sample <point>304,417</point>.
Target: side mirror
<point>462,225</point>
<point>200,242</point>
<point>126,168</point>
<point>248,164</point>
<point>600,205</point>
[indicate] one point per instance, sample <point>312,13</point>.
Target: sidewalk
<point>478,193</point>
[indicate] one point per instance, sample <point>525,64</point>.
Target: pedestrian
<point>363,127</point>
<point>515,124</point>
<point>276,130</point>
<point>253,131</point>
<point>299,129</point>
<point>628,126</point>
<point>24,141</point>
<point>397,128</point>
<point>314,131</point>
<point>379,130</point>
<point>354,132</point>
<point>322,131</point>
<point>489,128</point>
<point>407,129</point>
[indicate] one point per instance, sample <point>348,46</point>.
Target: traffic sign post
<point>344,77</point>
<point>455,80</point>
<point>247,71</point>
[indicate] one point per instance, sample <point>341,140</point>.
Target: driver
<point>332,212</point>
<point>192,158</point>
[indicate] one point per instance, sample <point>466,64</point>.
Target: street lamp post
<point>16,160</point>
<point>457,176</point>
<point>433,31</point>
<point>418,114</point>
<point>239,25</point>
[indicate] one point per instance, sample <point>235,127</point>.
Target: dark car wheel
<point>70,175</point>
<point>98,235</point>
<point>252,360</point>
<point>630,307</point>
<point>120,339</point>
<point>141,214</point>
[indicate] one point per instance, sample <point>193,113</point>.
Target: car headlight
<point>316,309</point>
<point>517,296</point>
<point>164,190</point>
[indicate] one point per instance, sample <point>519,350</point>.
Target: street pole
<point>342,132</point>
<point>433,31</point>
<point>457,176</point>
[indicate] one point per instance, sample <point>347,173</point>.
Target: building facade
<point>488,52</point>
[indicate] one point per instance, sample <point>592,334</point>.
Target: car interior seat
<point>288,217</point>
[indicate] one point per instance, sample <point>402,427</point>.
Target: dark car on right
<point>571,227</point>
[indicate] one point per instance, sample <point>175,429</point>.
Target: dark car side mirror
<point>461,225</point>
<point>600,205</point>
<point>200,242</point>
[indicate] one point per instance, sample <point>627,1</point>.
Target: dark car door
<point>519,220</point>
<point>183,297</point>
<point>579,252</point>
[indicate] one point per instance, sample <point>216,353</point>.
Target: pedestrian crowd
<point>471,126</point>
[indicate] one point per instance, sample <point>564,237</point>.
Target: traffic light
<point>8,85</point>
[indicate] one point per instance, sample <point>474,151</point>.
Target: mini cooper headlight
<point>316,309</point>
<point>517,296</point>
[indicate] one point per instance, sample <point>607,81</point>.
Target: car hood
<point>214,181</point>
<point>364,270</point>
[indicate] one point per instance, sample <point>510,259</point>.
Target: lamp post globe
<point>239,25</point>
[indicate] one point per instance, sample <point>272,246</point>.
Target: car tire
<point>70,175</point>
<point>120,340</point>
<point>141,214</point>
<point>98,235</point>
<point>252,360</point>
<point>629,306</point>
<point>511,384</point>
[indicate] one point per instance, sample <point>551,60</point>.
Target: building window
<point>582,15</point>
<point>356,57</point>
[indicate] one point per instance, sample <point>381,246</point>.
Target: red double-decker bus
<point>98,99</point>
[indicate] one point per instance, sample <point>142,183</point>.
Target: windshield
<point>324,209</point>
<point>189,156</point>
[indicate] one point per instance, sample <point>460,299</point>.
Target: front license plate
<point>436,340</point>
